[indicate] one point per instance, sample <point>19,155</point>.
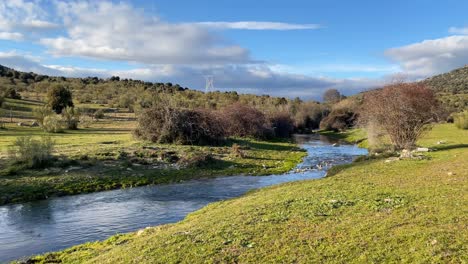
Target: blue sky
<point>288,48</point>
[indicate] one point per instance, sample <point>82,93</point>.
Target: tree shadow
<point>448,147</point>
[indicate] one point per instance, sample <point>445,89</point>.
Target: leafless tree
<point>404,111</point>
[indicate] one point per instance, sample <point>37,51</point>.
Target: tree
<point>402,111</point>
<point>59,97</point>
<point>332,96</point>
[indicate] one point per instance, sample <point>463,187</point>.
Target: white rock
<point>422,149</point>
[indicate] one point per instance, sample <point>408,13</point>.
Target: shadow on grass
<point>448,147</point>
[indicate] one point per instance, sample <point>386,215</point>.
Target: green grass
<point>353,136</point>
<point>98,151</point>
<point>407,211</point>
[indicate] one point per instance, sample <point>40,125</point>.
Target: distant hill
<point>451,88</point>
<point>454,82</point>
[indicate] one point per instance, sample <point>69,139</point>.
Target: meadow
<point>405,211</point>
<point>107,156</point>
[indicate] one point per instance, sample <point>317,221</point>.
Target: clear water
<point>50,225</point>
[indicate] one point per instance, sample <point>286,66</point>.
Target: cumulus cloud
<point>257,25</point>
<point>98,30</point>
<point>431,57</point>
<point>20,15</point>
<point>26,63</point>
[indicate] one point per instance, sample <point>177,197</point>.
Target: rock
<point>21,124</point>
<point>450,173</point>
<point>422,150</point>
<point>336,145</point>
<point>441,142</point>
<point>405,154</point>
<point>34,124</point>
<point>129,169</point>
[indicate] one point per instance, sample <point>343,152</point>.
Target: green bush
<point>34,153</point>
<point>461,120</point>
<point>40,113</point>
<point>53,124</point>
<point>71,117</point>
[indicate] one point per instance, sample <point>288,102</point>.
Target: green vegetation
<point>106,156</point>
<point>406,211</point>
<point>452,88</point>
<point>461,120</point>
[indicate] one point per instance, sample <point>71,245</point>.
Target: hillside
<point>454,82</point>
<point>451,88</point>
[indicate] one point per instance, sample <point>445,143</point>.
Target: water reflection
<point>50,225</point>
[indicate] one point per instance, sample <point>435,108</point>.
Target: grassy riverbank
<point>106,156</point>
<point>406,211</point>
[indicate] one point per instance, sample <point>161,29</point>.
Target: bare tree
<point>403,111</point>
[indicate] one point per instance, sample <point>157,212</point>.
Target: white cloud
<point>257,25</point>
<point>120,32</point>
<point>460,31</point>
<point>11,36</point>
<point>24,15</point>
<point>431,57</point>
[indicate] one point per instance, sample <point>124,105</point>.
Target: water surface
<point>50,225</point>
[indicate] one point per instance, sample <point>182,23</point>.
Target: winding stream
<point>50,225</point>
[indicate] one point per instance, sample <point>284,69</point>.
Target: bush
<point>40,113</point>
<point>282,124</point>
<point>59,97</point>
<point>402,111</point>
<point>182,126</point>
<point>338,120</point>
<point>71,117</point>
<point>245,121</point>
<point>99,114</point>
<point>53,124</point>
<point>32,152</point>
<point>86,121</point>
<point>11,93</point>
<point>461,120</point>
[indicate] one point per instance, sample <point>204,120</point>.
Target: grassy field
<point>407,211</point>
<point>107,156</point>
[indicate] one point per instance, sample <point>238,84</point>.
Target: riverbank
<point>404,211</point>
<point>106,156</point>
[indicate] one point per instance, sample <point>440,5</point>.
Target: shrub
<point>40,113</point>
<point>244,121</point>
<point>196,160</point>
<point>11,93</point>
<point>99,114</point>
<point>338,120</point>
<point>34,153</point>
<point>71,117</point>
<point>86,121</point>
<point>182,126</point>
<point>53,124</point>
<point>461,120</point>
<point>282,124</point>
<point>59,97</point>
<point>402,111</point>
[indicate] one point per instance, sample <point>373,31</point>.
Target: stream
<point>49,225</point>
